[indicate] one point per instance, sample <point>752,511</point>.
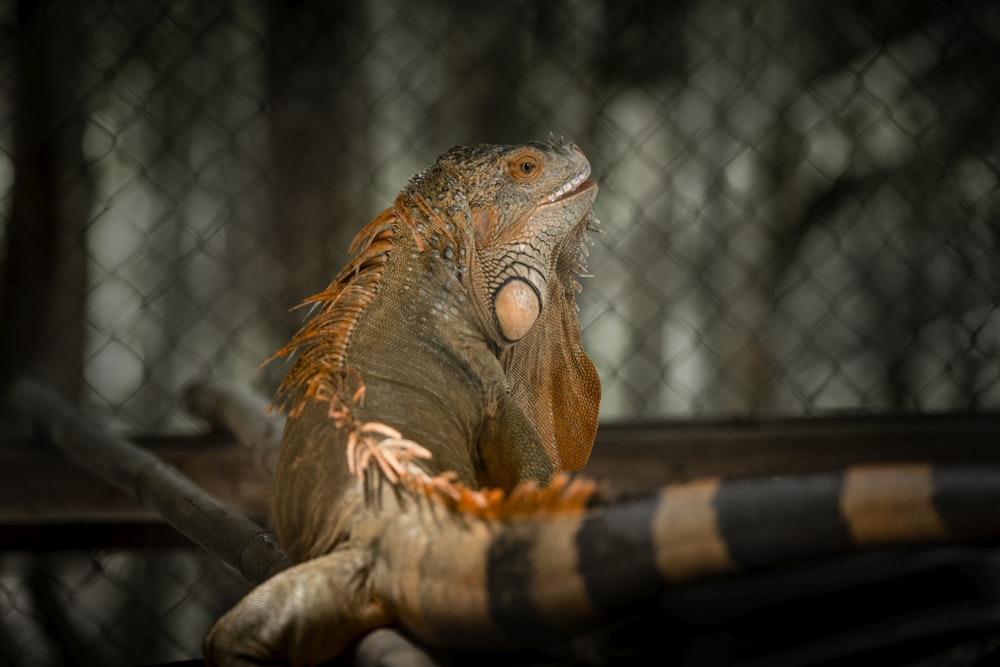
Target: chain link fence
<point>110,607</point>
<point>800,200</point>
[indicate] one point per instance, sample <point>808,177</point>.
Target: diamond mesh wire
<point>800,204</point>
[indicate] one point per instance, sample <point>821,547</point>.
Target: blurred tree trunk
<point>44,258</point>
<point>319,105</point>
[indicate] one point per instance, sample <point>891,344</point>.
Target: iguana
<point>439,394</point>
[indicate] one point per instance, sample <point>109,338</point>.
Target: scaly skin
<point>429,348</point>
<point>441,379</point>
<point>455,325</point>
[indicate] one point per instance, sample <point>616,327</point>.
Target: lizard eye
<point>524,168</point>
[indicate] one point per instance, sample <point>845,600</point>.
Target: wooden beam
<point>675,451</point>
<point>39,484</point>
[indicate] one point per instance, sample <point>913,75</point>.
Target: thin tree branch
<point>209,523</point>
<point>244,414</point>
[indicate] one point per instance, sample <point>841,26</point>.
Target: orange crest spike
<point>321,372</point>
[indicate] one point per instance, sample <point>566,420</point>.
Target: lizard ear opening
<point>554,382</point>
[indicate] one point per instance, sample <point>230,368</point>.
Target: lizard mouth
<point>576,185</point>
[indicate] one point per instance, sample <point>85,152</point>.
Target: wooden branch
<point>243,413</point>
<point>221,531</point>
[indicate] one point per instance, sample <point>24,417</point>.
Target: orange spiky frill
<point>321,371</point>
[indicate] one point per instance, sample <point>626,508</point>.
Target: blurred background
<point>801,207</point>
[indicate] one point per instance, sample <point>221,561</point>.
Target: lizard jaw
<point>576,185</point>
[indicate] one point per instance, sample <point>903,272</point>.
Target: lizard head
<point>529,206</point>
<point>506,225</point>
<point>519,216</point>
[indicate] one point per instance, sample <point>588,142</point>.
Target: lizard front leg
<point>303,616</point>
<point>510,449</point>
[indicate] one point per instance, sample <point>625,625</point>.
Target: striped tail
<point>473,582</point>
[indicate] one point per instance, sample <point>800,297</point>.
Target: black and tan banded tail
<point>526,579</point>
